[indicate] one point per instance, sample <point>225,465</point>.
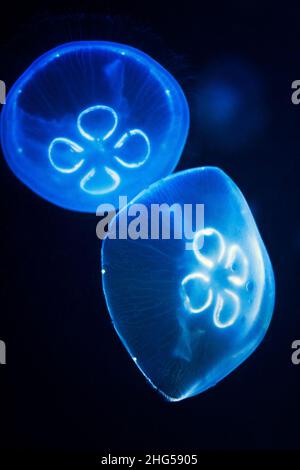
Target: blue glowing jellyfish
<point>190,297</point>
<point>89,121</point>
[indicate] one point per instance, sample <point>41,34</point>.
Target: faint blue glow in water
<point>89,121</point>
<point>229,104</point>
<point>190,317</point>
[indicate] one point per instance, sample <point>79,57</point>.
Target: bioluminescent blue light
<point>89,121</point>
<point>189,314</point>
<point>229,104</point>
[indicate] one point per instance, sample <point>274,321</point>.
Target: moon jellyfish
<point>189,306</point>
<point>89,121</point>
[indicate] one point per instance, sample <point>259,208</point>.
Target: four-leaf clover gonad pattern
<point>223,272</point>
<point>103,151</point>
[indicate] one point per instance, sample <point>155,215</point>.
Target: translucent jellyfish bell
<point>89,121</point>
<point>191,308</point>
